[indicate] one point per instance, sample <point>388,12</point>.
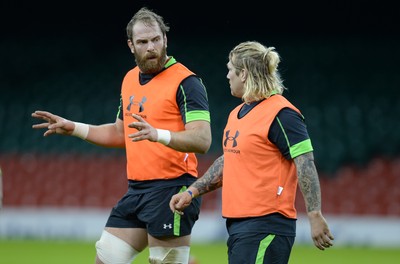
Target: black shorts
<point>259,248</point>
<point>151,211</point>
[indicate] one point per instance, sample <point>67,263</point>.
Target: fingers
<point>42,125</point>
<point>324,241</point>
<point>145,132</point>
<point>329,234</point>
<point>172,205</point>
<point>176,203</point>
<point>49,132</point>
<point>137,125</point>
<point>46,116</point>
<point>320,233</point>
<point>53,123</point>
<point>179,202</point>
<point>141,124</point>
<point>43,115</point>
<point>178,212</point>
<point>138,118</point>
<point>40,115</point>
<point>140,135</point>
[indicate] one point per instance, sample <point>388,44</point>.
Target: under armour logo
<point>168,226</point>
<point>230,138</point>
<point>131,102</point>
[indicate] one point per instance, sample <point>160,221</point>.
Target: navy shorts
<point>259,248</point>
<point>151,211</point>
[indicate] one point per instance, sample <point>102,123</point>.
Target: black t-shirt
<point>287,129</point>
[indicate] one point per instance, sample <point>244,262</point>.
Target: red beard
<point>151,62</point>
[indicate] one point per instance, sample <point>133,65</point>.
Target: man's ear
<point>130,45</point>
<point>243,75</point>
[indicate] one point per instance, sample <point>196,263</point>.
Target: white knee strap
<point>113,250</point>
<point>163,255</point>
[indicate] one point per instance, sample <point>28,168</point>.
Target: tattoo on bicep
<point>308,181</point>
<point>212,179</point>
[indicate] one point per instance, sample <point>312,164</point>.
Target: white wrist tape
<point>81,130</point>
<point>163,136</point>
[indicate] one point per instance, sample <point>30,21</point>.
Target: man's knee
<point>113,250</point>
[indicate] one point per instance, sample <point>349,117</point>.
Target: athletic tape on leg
<point>113,250</point>
<point>162,255</point>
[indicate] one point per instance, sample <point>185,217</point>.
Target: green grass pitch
<point>83,252</point>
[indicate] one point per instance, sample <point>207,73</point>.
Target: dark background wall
<point>340,62</point>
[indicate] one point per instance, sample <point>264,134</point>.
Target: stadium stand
<point>354,128</point>
<point>99,180</point>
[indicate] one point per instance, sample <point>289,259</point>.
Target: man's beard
<point>150,67</point>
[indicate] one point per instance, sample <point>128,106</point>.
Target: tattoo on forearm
<point>308,181</point>
<point>212,179</point>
